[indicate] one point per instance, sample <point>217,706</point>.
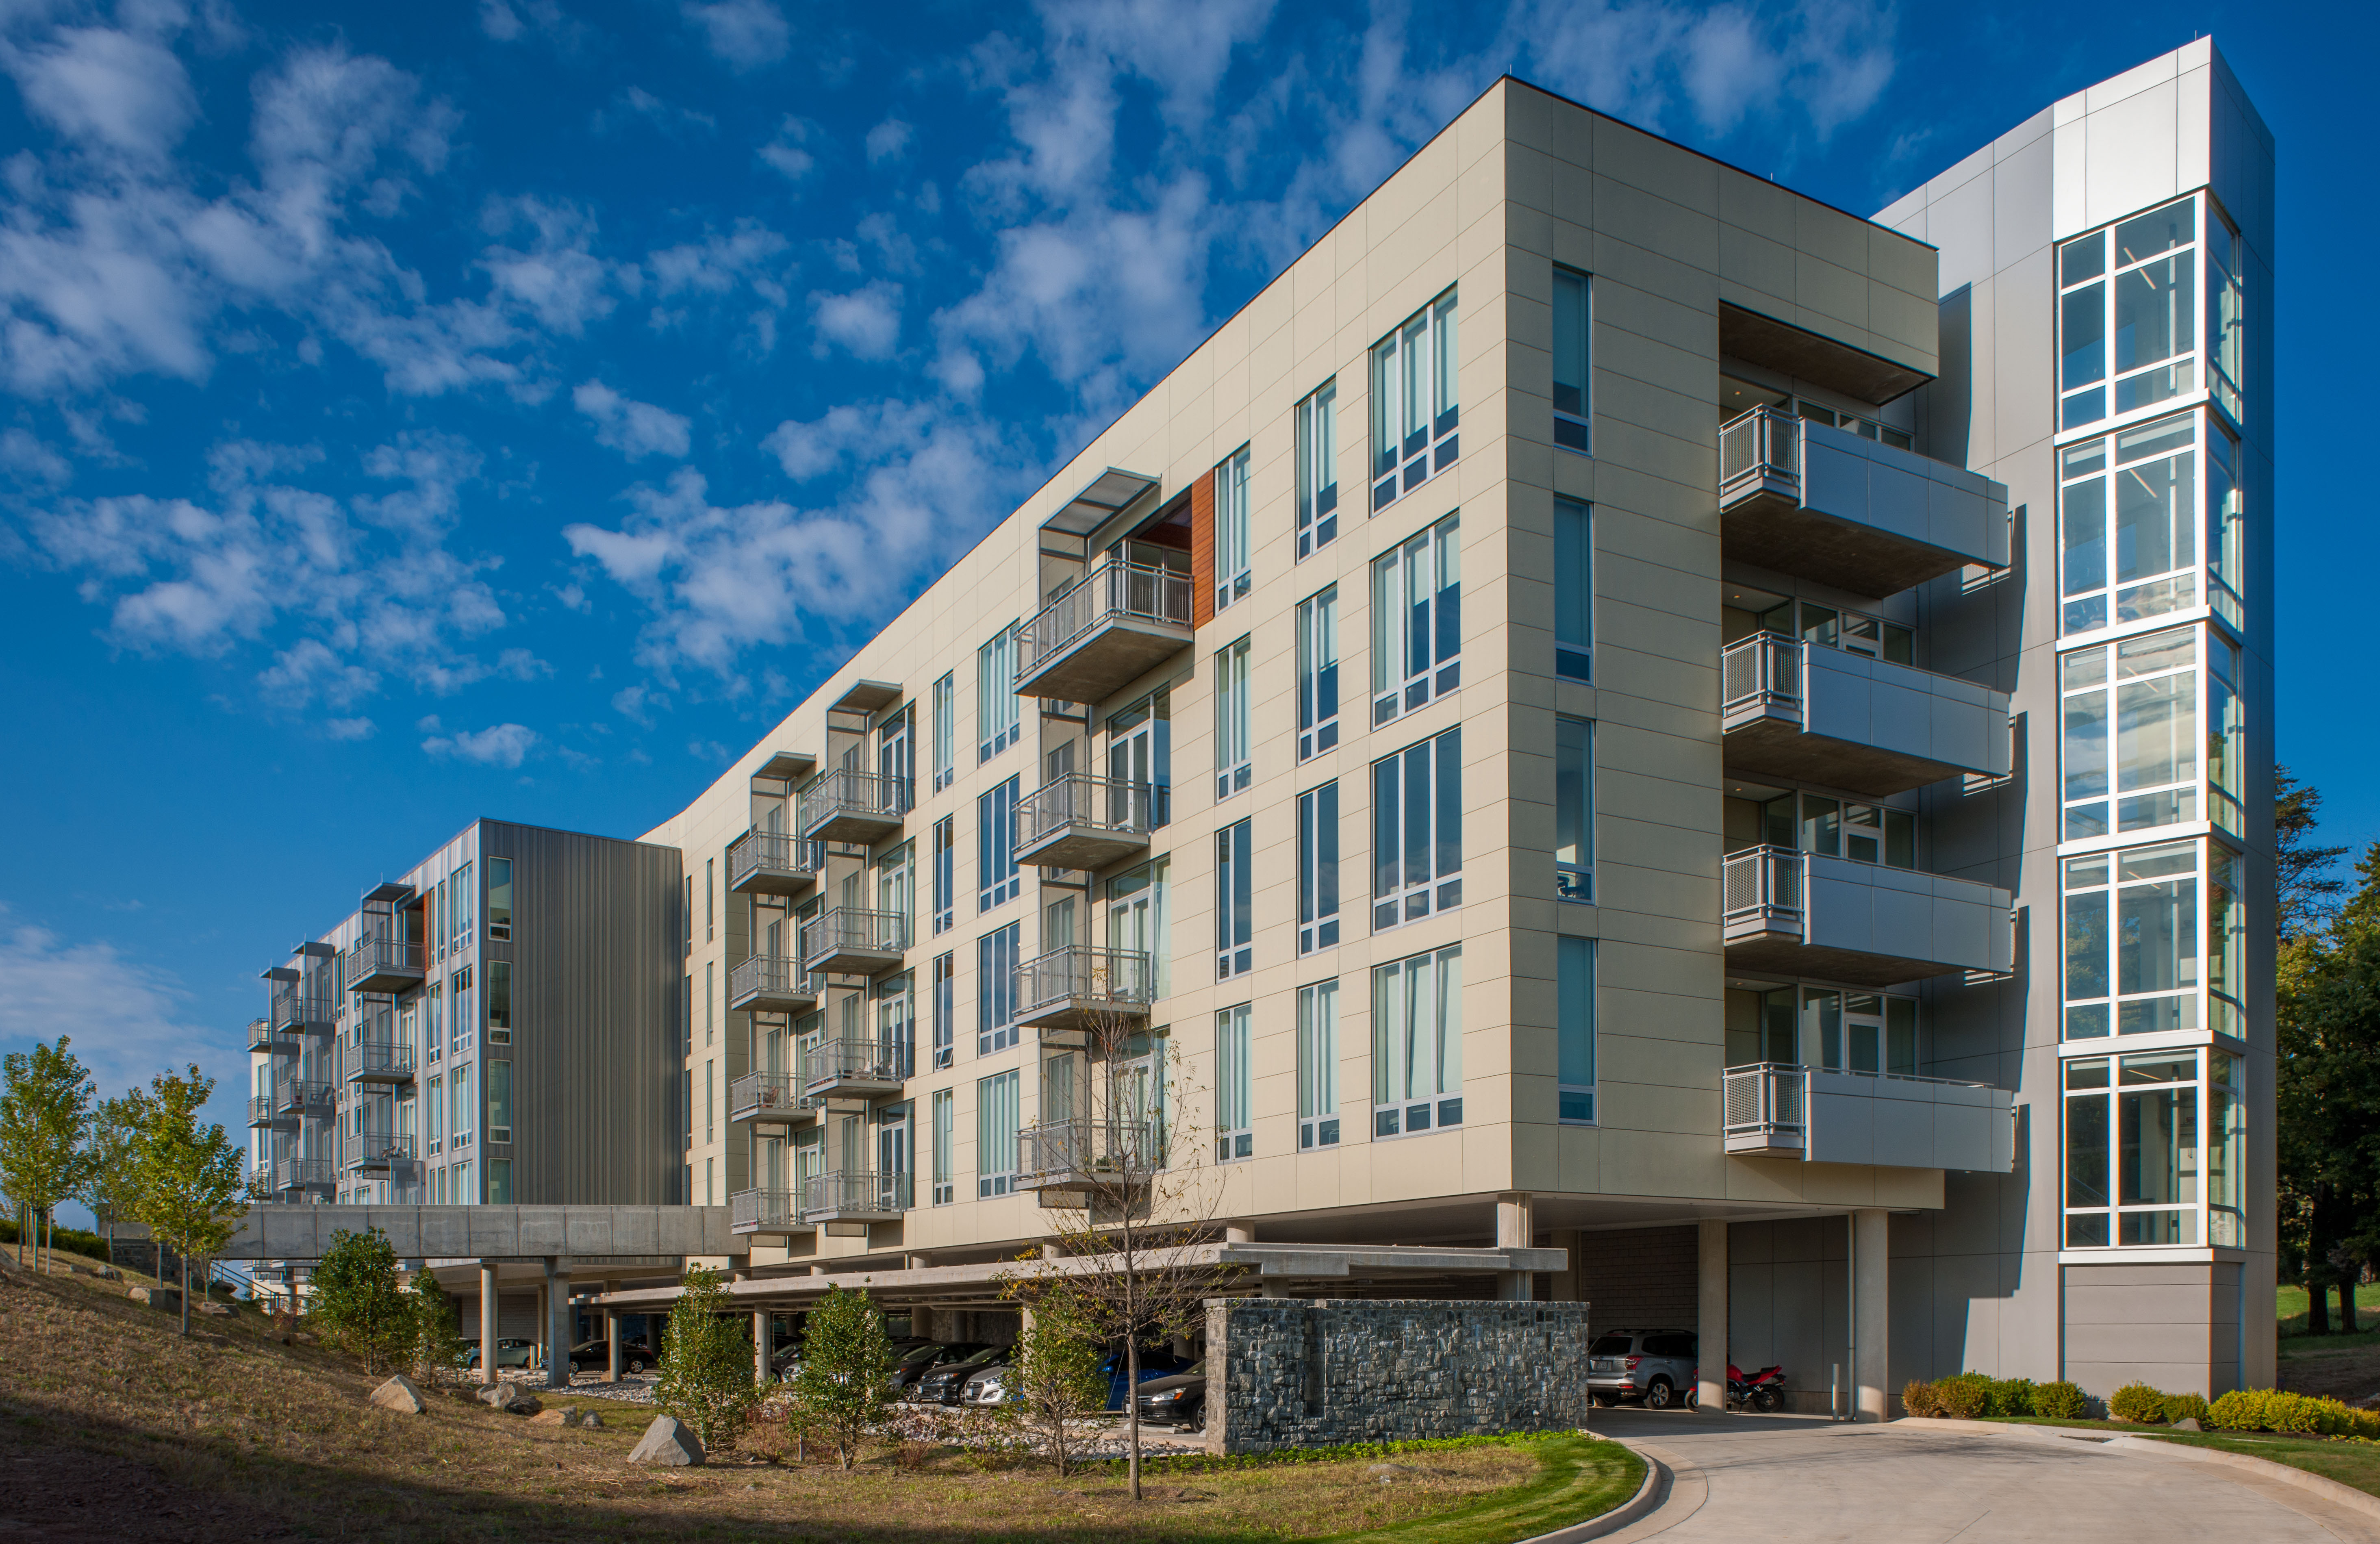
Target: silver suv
<point>1654,1365</point>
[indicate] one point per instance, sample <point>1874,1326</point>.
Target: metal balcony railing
<point>1108,817</point>
<point>379,1150</point>
<point>259,1182</point>
<point>1085,1154</point>
<point>858,1060</point>
<point>297,1011</point>
<point>845,935</point>
<point>303,1173</point>
<point>773,863</point>
<point>262,1036</point>
<point>1762,447</point>
<point>1760,891</point>
<point>1760,675</point>
<point>771,983</point>
<point>768,1096</point>
<point>296,1096</point>
<point>765,1212</point>
<point>1765,1107</point>
<point>1079,975</point>
<point>380,1061</point>
<point>857,1193</point>
<point>1112,591</point>
<point>848,804</point>
<point>260,1109</point>
<point>381,963</point>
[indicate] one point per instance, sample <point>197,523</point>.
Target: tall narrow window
<point>946,732</point>
<point>1232,555</point>
<point>1233,884</point>
<point>500,899</point>
<point>1232,750</point>
<point>2226,317</point>
<point>710,1099</point>
<point>500,1182</point>
<point>945,1009</point>
<point>945,1132</point>
<point>2128,751</point>
<point>710,999</point>
<point>1317,868</point>
<point>2227,532</point>
<point>465,1110</point>
<point>1234,1086</point>
<point>997,878</point>
<point>945,877</point>
<point>1573,809</point>
<point>2132,942</point>
<point>1572,316</point>
<point>710,899</point>
<point>500,1003</point>
<point>1574,591</point>
<point>1574,1035</point>
<point>500,1101</point>
<point>1415,414</point>
<point>1417,1044</point>
<point>1418,830</point>
<point>995,1134</point>
<point>433,1115</point>
<point>1317,1065</point>
<point>1318,470</point>
<point>995,990</point>
<point>1318,673</point>
<point>2128,318</point>
<point>995,695</point>
<point>1417,622</point>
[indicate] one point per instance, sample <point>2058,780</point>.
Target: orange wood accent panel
<point>1202,550</point>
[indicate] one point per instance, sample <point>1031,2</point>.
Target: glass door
<point>1140,745</point>
<point>894,754</point>
<point>1137,917</point>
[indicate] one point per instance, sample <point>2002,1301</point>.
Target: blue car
<point>1153,1364</point>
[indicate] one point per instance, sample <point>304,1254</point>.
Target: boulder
<point>220,1310</point>
<point>2188,1423</point>
<point>399,1394</point>
<point>668,1440</point>
<point>555,1417</point>
<point>158,1297</point>
<point>592,1419</point>
<point>510,1397</point>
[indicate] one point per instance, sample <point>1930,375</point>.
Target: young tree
<point>1058,1376</point>
<point>110,1186</point>
<point>437,1342</point>
<point>357,1303</point>
<point>705,1363</point>
<point>845,1385</point>
<point>44,1116</point>
<point>2306,893</point>
<point>190,1186</point>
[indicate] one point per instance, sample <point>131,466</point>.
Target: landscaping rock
<point>567,1418</point>
<point>588,1418</point>
<point>2188,1423</point>
<point>219,1309</point>
<point>399,1394</point>
<point>510,1397</point>
<point>668,1440</point>
<point>158,1297</point>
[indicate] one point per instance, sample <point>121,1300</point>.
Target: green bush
<point>2180,1407</point>
<point>1965,1397</point>
<point>2278,1410</point>
<point>2060,1401</point>
<point>1918,1398</point>
<point>2011,1397</point>
<point>2137,1403</point>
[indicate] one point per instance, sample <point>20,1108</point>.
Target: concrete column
<point>487,1321</point>
<point>763,1350</point>
<point>921,1322</point>
<point>1711,1309</point>
<point>1871,1313</point>
<point>1515,1229</point>
<point>1239,1232</point>
<point>1274,1286</point>
<point>558,1323</point>
<point>612,1343</point>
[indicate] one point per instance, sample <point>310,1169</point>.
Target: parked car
<point>509,1354</point>
<point>1155,1362</point>
<point>596,1356</point>
<point>993,1385</point>
<point>943,1384</point>
<point>1654,1367</point>
<point>1176,1399</point>
<point>919,1360</point>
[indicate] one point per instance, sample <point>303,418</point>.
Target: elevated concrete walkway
<point>622,1235</point>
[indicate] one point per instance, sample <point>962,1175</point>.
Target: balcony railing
<point>1759,674</point>
<point>297,1096</point>
<point>857,1194</point>
<point>1887,1120</point>
<point>372,1152</point>
<point>380,1061</point>
<point>1859,923</point>
<point>770,984</point>
<point>261,1111</point>
<point>1121,621</point>
<point>1801,710</point>
<point>302,1011</point>
<point>262,1036</point>
<point>259,1182</point>
<point>304,1173</point>
<point>773,863</point>
<point>380,965</point>
<point>1762,449</point>
<point>1086,1155</point>
<point>773,1211</point>
<point>1760,891</point>
<point>1082,821</point>
<point>1764,1108</point>
<point>768,1096</point>
<point>856,1066</point>
<point>1076,987</point>
<point>848,804</point>
<point>846,941</point>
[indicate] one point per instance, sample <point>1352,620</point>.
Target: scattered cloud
<point>128,1021</point>
<point>747,34</point>
<point>502,745</point>
<point>634,428</point>
<point>785,152</point>
<point>350,728</point>
<point>888,140</point>
<point>866,322</point>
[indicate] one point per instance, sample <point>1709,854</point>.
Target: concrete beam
<point>510,1233</point>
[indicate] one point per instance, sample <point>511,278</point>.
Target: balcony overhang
<point>1088,845</point>
<point>851,1083</point>
<point>774,998</point>
<point>1068,1020</point>
<point>1863,924</point>
<point>1108,657</point>
<point>1103,499</point>
<point>389,891</point>
<point>1884,1120</point>
<point>867,696</point>
<point>771,863</point>
<point>1846,368</point>
<point>786,766</point>
<point>1842,720</point>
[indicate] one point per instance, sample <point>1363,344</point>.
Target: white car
<point>991,1386</point>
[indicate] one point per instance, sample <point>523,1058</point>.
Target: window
<point>2227,316</point>
<point>1574,311</point>
<point>1573,809</point>
<point>1317,1065</point>
<point>1574,591</point>
<point>710,899</point>
<point>1136,920</point>
<point>1232,557</point>
<point>2133,938</point>
<point>2146,688</point>
<point>1574,1034</point>
<point>1140,749</point>
<point>464,1112</point>
<point>500,1003</point>
<point>461,1028</point>
<point>1318,674</point>
<point>1841,828</point>
<point>1416,623</point>
<point>711,1101</point>
<point>500,1101</point>
<point>2129,521</point>
<point>2140,1131</point>
<point>2128,321</point>
<point>1415,417</point>
<point>1232,765</point>
<point>995,1134</point>
<point>466,1190</point>
<point>500,1182</point>
<point>710,999</point>
<point>433,1115</point>
<point>995,695</point>
<point>995,847</point>
<point>1417,1044</point>
<point>995,990</point>
<point>945,1129</point>
<point>1235,861</point>
<point>945,1014</point>
<point>1234,1086</point>
<point>1418,830</point>
<point>1849,630</point>
<point>1317,868</point>
<point>945,880</point>
<point>500,899</point>
<point>946,731</point>
<point>1318,470</point>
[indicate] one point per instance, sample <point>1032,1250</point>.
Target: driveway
<point>1790,1479</point>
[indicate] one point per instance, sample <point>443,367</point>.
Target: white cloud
<point>867,321</point>
<point>26,457</point>
<point>127,1020</point>
<point>888,140</point>
<point>308,670</point>
<point>350,728</point>
<point>499,20</point>
<point>126,93</point>
<point>634,428</point>
<point>502,745</point>
<point>745,33</point>
<point>785,152</point>
<point>558,278</point>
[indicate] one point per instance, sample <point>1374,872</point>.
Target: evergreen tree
<point>2307,892</point>
<point>845,1389</point>
<point>189,1187</point>
<point>437,1341</point>
<point>357,1305</point>
<point>1058,1373</point>
<point>44,1118</point>
<point>706,1369</point>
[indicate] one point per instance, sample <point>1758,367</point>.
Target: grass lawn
<point>2289,1304</point>
<point>109,1420</point>
<point>2354,1463</point>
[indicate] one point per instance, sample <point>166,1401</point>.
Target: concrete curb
<point>1650,1496</point>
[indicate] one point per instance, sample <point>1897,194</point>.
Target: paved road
<point>1750,1479</point>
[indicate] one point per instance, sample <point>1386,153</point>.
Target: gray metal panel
<point>1905,710</point>
<point>1870,909</point>
<point>1907,1123</point>
<point>1904,494</point>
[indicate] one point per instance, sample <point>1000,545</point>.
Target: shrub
<point>2060,1401</point>
<point>1966,1397</point>
<point>706,1364</point>
<point>845,1388</point>
<point>2137,1403</point>
<point>2011,1397</point>
<point>1918,1398</point>
<point>437,1347</point>
<point>357,1305</point>
<point>2278,1410</point>
<point>2179,1408</point>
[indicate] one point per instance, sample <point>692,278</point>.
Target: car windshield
<point>921,1355</point>
<point>989,1354</point>
<point>1611,1346</point>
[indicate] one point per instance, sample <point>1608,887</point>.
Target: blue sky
<point>511,407</point>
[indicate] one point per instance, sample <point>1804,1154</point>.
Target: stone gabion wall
<point>1293,1373</point>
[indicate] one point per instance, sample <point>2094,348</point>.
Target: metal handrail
<point>381,1146</point>
<point>1764,1097</point>
<point>1764,880</point>
<point>378,952</point>
<point>864,1190</point>
<point>856,1058</point>
<point>1757,445</point>
<point>290,1173</point>
<point>1111,804</point>
<point>848,788</point>
<point>292,1008</point>
<point>260,1109</point>
<point>779,850</point>
<point>1122,1151</point>
<point>261,1034</point>
<point>842,928</point>
<point>1761,672</point>
<point>763,1208</point>
<point>291,1095</point>
<point>775,974</point>
<point>766,1093</point>
<point>379,1056</point>
<point>1141,592</point>
<point>1125,976</point>
<point>1864,1072</point>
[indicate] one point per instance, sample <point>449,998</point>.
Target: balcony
<point>1825,1116</point>
<point>1078,989</point>
<point>1069,1161</point>
<point>262,1113</point>
<point>775,1213</point>
<point>379,1152</point>
<point>848,942</point>
<point>1120,622</point>
<point>856,1196</point>
<point>772,863</point>
<point>770,984</point>
<point>383,965</point>
<point>768,1096</point>
<point>1862,924</point>
<point>1081,821</point>
<point>1802,710</point>
<point>848,804</point>
<point>293,1097</point>
<point>262,1036</point>
<point>380,1061</point>
<point>259,1182</point>
<point>303,1011</point>
<point>303,1173</point>
<point>855,1069</point>
<point>1823,504</point>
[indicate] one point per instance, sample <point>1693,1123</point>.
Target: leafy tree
<point>189,1181</point>
<point>44,1116</point>
<point>845,1388</point>
<point>357,1305</point>
<point>437,1342</point>
<point>2307,893</point>
<point>2327,1099</point>
<point>111,1186</point>
<point>705,1363</point>
<point>1059,1373</point>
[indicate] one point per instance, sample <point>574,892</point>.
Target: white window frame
<point>945,985</point>
<point>1234,900</point>
<point>1403,889</point>
<point>1233,754</point>
<point>1575,1047</point>
<point>2211,1094</point>
<point>1318,470</point>
<point>2142,701</point>
<point>945,1117</point>
<point>946,844</point>
<point>1417,621</point>
<point>998,953</point>
<point>946,731</point>
<point>1417,1044</point>
<point>2200,524</point>
<point>2098,398</point>
<point>1415,384</point>
<point>2189,975</point>
<point>1234,562</point>
<point>997,1115</point>
<point>998,717</point>
<point>1318,673</point>
<point>1234,1084</point>
<point>1317,1065</point>
<point>1318,872</point>
<point>999,879</point>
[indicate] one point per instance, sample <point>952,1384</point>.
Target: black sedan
<point>941,1385</point>
<point>919,1360</point>
<point>596,1356</point>
<point>1180,1400</point>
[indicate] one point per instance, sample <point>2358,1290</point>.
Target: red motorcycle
<point>1762,1391</point>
